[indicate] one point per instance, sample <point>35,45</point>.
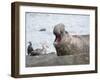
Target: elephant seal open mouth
<point>58,38</point>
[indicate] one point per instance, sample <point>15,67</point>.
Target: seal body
<point>66,44</point>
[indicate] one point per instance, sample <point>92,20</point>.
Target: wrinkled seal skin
<point>66,44</point>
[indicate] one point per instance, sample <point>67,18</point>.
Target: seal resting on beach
<point>66,44</point>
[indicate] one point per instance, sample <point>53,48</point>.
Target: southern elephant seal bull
<point>66,44</point>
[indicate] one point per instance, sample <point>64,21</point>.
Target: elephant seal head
<point>59,32</point>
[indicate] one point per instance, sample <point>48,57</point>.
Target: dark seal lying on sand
<point>67,44</point>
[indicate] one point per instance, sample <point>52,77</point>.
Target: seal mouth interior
<point>58,38</point>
